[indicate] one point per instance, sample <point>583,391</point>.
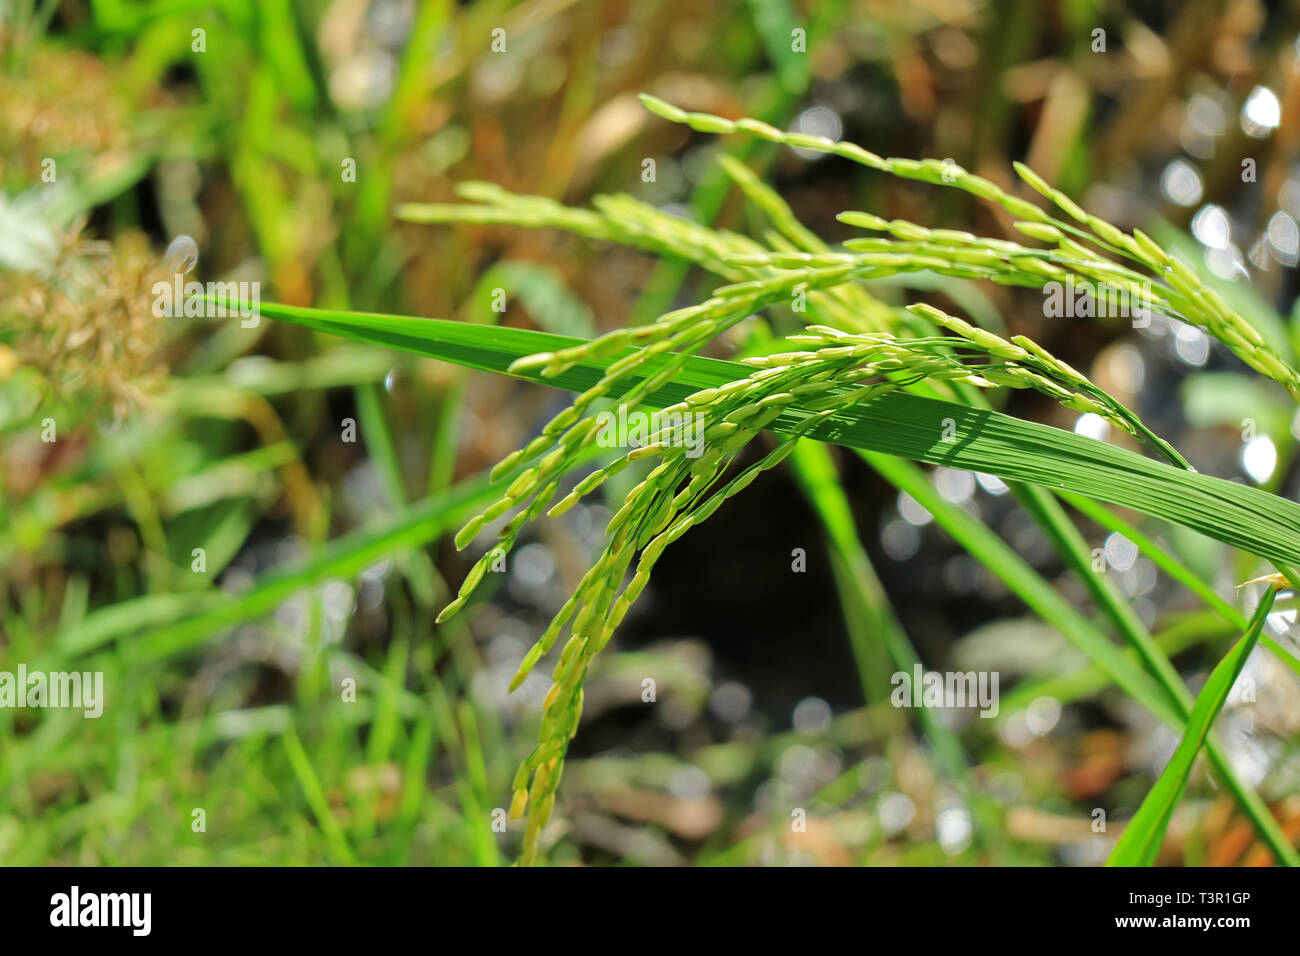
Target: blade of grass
<point>384,732</point>
<point>380,443</point>
<point>998,557</point>
<point>1082,682</point>
<point>871,623</point>
<point>1074,550</point>
<point>1178,571</point>
<point>1141,840</point>
<point>1026,583</point>
<point>311,789</point>
<point>181,621</point>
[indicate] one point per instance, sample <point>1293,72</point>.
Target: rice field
<point>648,434</point>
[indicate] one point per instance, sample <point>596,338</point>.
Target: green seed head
<point>864,220</point>
<point>706,123</point>
<point>469,532</point>
<point>1044,232</point>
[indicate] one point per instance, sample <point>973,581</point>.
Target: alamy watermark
<point>635,428</point>
<point>82,690</point>
<point>75,908</point>
<point>950,689</point>
<point>211,300</point>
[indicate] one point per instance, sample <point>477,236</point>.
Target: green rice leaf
<point>897,423</point>
<point>1141,839</point>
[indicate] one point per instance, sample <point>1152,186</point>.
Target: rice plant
<point>909,382</point>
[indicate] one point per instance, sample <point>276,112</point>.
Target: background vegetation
<point>328,560</point>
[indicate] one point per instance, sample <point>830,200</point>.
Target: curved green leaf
<point>909,426</point>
